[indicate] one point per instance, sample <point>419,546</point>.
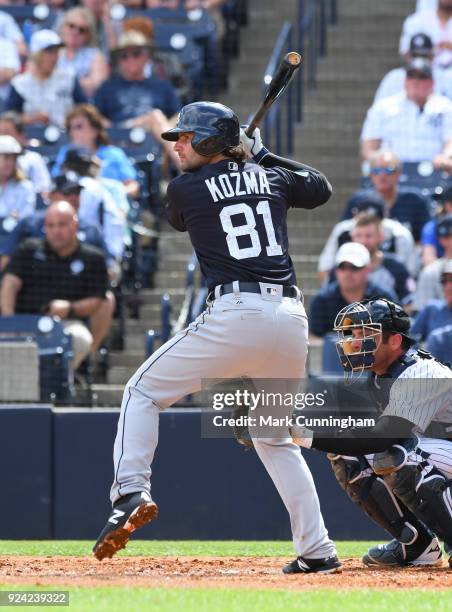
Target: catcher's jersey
<point>235,214</point>
<point>421,393</point>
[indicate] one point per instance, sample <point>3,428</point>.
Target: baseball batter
<point>255,325</point>
<point>398,472</point>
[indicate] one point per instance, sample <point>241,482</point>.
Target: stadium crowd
<point>86,89</point>
<point>395,236</point>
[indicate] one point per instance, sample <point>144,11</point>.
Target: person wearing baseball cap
<point>351,285</point>
<point>131,98</point>
<point>405,122</point>
<point>429,283</point>
<point>17,195</point>
<point>44,93</point>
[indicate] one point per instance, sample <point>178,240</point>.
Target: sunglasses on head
<point>348,266</point>
<point>77,28</point>
<point>377,170</point>
<point>135,53</point>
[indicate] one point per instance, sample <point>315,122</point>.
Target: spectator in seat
<point>384,269</point>
<point>397,239</point>
<point>31,163</point>
<point>431,247</point>
<point>429,283</point>
<point>406,205</point>
<point>9,67</point>
<point>437,313</point>
<point>86,130</point>
<point>61,277</point>
<point>97,206</point>
<point>162,63</point>
<point>415,124</point>
<point>79,54</point>
<point>437,24</point>
<point>394,81</point>
<point>131,99</point>
<point>17,196</point>
<point>351,285</point>
<point>44,93</point>
<point>67,188</point>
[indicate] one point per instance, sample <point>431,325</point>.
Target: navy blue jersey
<point>236,216</point>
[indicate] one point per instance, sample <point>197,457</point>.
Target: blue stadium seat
<point>46,140</point>
<point>54,348</point>
<point>31,17</point>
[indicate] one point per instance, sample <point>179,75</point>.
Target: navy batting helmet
<point>215,127</point>
<point>370,317</point>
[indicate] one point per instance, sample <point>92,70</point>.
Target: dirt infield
<point>209,572</point>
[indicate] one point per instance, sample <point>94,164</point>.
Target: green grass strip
<point>158,548</point>
<point>234,600</point>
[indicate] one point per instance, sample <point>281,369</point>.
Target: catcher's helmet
<point>216,127</point>
<point>371,317</point>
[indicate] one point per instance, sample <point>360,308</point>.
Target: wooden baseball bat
<point>279,83</point>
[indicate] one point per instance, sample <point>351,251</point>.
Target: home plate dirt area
<point>205,572</point>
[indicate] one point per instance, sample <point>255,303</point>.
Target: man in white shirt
<point>415,124</point>
<point>438,25</point>
<point>9,67</point>
<point>394,81</point>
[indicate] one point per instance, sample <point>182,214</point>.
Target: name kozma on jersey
<point>237,184</point>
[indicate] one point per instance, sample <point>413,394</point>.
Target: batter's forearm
<point>270,160</point>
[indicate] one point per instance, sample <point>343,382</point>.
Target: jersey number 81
<point>249,229</point>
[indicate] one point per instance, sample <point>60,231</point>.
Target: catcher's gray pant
<point>240,334</point>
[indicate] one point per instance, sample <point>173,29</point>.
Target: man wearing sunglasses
<point>406,205</point>
<point>131,99</point>
<point>351,285</point>
<point>415,124</point>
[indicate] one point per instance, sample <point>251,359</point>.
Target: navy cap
<point>79,155</point>
<point>370,203</point>
<point>69,182</point>
<point>421,45</point>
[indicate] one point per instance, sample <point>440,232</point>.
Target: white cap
<point>9,146</point>
<point>354,253</point>
<point>43,39</point>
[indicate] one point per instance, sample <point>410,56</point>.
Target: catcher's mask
<point>359,327</point>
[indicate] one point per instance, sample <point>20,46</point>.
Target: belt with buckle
<point>287,290</point>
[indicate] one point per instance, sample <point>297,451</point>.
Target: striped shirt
<point>422,394</point>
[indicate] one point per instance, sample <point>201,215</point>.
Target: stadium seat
<point>31,17</point>
<point>54,349</point>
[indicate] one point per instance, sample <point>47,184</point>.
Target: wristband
<point>259,156</point>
